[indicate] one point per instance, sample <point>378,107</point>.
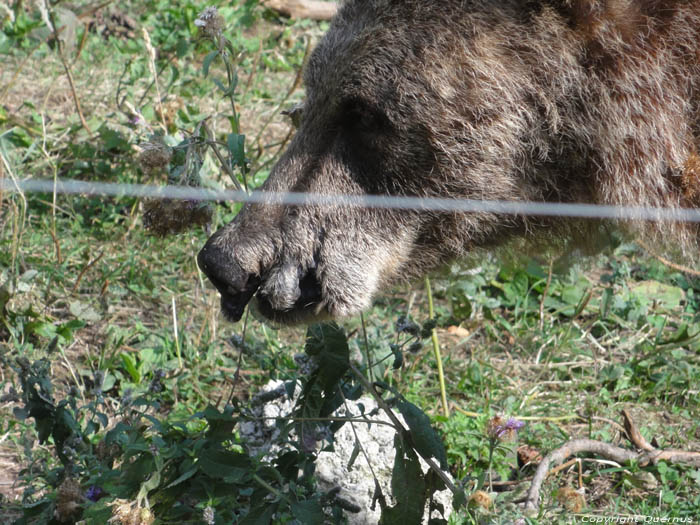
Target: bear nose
<point>235,285</point>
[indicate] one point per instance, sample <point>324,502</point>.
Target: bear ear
<point>295,114</point>
<point>583,12</point>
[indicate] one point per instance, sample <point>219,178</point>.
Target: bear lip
<point>308,307</point>
<point>233,304</point>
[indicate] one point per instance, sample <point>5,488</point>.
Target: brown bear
<point>585,101</point>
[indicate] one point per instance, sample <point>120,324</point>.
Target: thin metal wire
<point>429,204</point>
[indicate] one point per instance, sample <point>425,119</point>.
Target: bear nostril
<point>235,285</point>
<point>310,287</point>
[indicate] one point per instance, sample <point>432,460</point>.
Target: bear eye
<point>358,115</point>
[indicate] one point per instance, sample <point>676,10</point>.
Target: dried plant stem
<point>295,85</point>
<point>78,381</point>
<point>382,501</point>
<point>175,334</point>
<point>19,217</point>
<point>66,68</point>
<point>2,193</point>
<point>237,373</point>
<point>57,245</point>
<point>154,72</point>
<point>253,69</point>
<point>367,354</point>
<point>404,432</point>
<point>277,153</point>
<point>54,236</point>
<point>469,413</point>
<point>544,293</point>
<point>270,488</point>
<point>225,165</point>
<point>436,350</point>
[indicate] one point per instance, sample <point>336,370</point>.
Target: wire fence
<point>428,204</point>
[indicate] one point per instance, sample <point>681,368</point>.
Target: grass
<point>564,344</point>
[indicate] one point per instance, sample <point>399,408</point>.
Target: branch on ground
<point>648,455</point>
<point>313,9</point>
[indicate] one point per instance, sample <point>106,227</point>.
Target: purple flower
<point>497,429</point>
<point>94,493</point>
<point>511,425</point>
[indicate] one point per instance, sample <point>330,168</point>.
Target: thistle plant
<point>182,161</point>
<point>500,431</point>
<point>211,25</point>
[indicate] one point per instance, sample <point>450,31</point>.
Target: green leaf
<point>151,484</point>
<point>99,512</point>
<point>461,305</point>
<point>585,298</point>
<point>182,47</point>
<point>4,298</point>
<point>83,311</point>
<point>517,288</point>
<point>108,382</point>
<point>16,137</point>
<point>41,328</point>
<point>664,295</point>
<point>66,330</point>
<point>260,515</point>
<point>183,477</point>
<point>225,90</point>
<point>236,147</point>
<point>113,140</point>
<point>353,456</point>
<point>234,82</point>
<point>459,500</point>
<point>398,359</point>
<point>408,488</point>
<point>130,365</point>
<point>225,464</point>
<point>308,512</point>
<point>221,424</point>
<point>208,60</point>
<point>425,439</point>
<point>28,276</point>
<point>572,294</point>
<point>606,302</point>
<point>328,343</point>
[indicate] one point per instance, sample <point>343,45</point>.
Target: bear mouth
<point>307,308</point>
<point>233,304</point>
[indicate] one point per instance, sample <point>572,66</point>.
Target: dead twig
<point>85,269</point>
<point>633,433</point>
<point>575,446</point>
<point>670,264</point>
<point>654,455</point>
<point>313,9</point>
